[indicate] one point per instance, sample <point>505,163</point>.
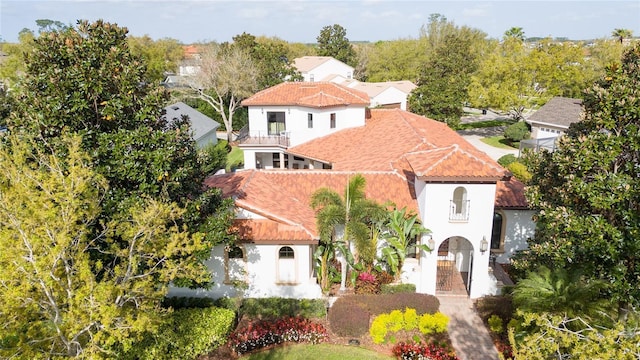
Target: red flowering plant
<point>419,351</point>
<point>367,283</point>
<point>265,332</point>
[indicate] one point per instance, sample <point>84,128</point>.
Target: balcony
<point>459,210</point>
<point>247,137</point>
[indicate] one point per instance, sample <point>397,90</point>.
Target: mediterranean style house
<point>303,136</point>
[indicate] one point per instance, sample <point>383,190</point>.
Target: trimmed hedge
<point>179,302</point>
<point>398,288</point>
<point>186,334</point>
<point>273,308</point>
<point>347,318</point>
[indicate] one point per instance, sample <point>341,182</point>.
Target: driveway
<point>473,136</point>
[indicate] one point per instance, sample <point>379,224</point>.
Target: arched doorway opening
<point>455,266</point>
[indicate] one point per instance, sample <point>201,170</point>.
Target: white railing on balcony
<point>459,210</point>
<point>263,137</point>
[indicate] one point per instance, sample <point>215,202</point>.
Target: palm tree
<point>516,33</point>
<point>622,34</point>
<point>354,214</point>
<point>560,291</point>
<point>402,228</point>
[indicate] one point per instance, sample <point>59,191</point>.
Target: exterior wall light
<point>431,243</point>
<point>484,245</point>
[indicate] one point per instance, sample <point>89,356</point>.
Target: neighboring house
<point>203,127</point>
<point>390,94</point>
<point>323,134</point>
<point>554,117</point>
<point>317,68</point>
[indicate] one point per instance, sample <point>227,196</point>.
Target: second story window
<point>310,121</point>
<point>459,210</point>
<point>332,123</point>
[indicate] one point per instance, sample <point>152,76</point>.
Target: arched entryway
<point>455,265</point>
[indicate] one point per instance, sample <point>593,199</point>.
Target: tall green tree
<point>57,299</point>
<point>160,56</point>
<point>444,78</point>
<point>13,66</point>
<point>515,33</point>
<point>333,42</point>
<point>588,190</point>
<point>346,218</point>
<point>394,60</point>
<point>85,81</point>
<point>271,57</point>
<point>402,231</point>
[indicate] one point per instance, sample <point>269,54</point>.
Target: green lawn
<point>235,157</point>
<point>316,352</point>
<point>500,142</point>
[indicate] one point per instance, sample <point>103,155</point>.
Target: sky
<point>301,21</point>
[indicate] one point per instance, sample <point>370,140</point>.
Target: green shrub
<point>499,305</point>
<point>433,323</point>
<point>231,303</point>
<point>520,171</point>
<point>179,302</point>
<point>397,288</point>
<point>518,131</point>
<point>495,324</point>
<point>348,318</point>
<point>410,319</point>
<point>274,307</point>
<point>507,159</point>
<point>185,334</point>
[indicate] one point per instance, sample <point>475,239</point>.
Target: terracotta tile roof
<point>387,137</point>
<point>375,88</point>
<point>283,196</point>
<point>510,194</point>
<point>309,94</point>
<point>267,231</point>
<point>452,163</point>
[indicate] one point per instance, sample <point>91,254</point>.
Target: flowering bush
<point>367,283</point>
<point>264,333</point>
<point>413,351</point>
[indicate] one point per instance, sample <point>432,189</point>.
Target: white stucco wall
<point>518,227</point>
<point>330,67</point>
<point>434,202</point>
<point>390,96</point>
<point>262,266</point>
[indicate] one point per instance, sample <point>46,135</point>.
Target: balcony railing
<point>459,210</point>
<point>263,138</point>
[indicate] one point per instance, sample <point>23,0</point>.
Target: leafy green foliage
<point>333,42</point>
<point>271,308</point>
<point>433,323</point>
<point>160,56</point>
<point>186,334</point>
<point>443,79</point>
<point>518,131</point>
<point>507,159</point>
<point>397,288</point>
<point>556,338</point>
<point>402,229</point>
<point>561,292</point>
<point>213,157</point>
<point>588,190</point>
<point>354,213</point>
<point>495,324</point>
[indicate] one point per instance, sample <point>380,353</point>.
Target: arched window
<point>235,264</point>
<point>497,239</point>
<point>286,266</point>
<point>459,205</point>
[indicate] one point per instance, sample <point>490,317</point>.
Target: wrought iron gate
<point>444,276</point>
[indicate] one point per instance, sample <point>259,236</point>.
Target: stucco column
<point>281,160</point>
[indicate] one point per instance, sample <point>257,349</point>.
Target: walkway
<point>469,337</point>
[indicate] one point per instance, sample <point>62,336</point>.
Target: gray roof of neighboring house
<point>201,124</point>
<point>559,111</point>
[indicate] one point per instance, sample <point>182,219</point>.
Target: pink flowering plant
<point>419,351</point>
<point>264,333</point>
<point>367,283</point>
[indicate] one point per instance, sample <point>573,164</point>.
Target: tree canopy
<point>333,42</point>
<point>588,190</point>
